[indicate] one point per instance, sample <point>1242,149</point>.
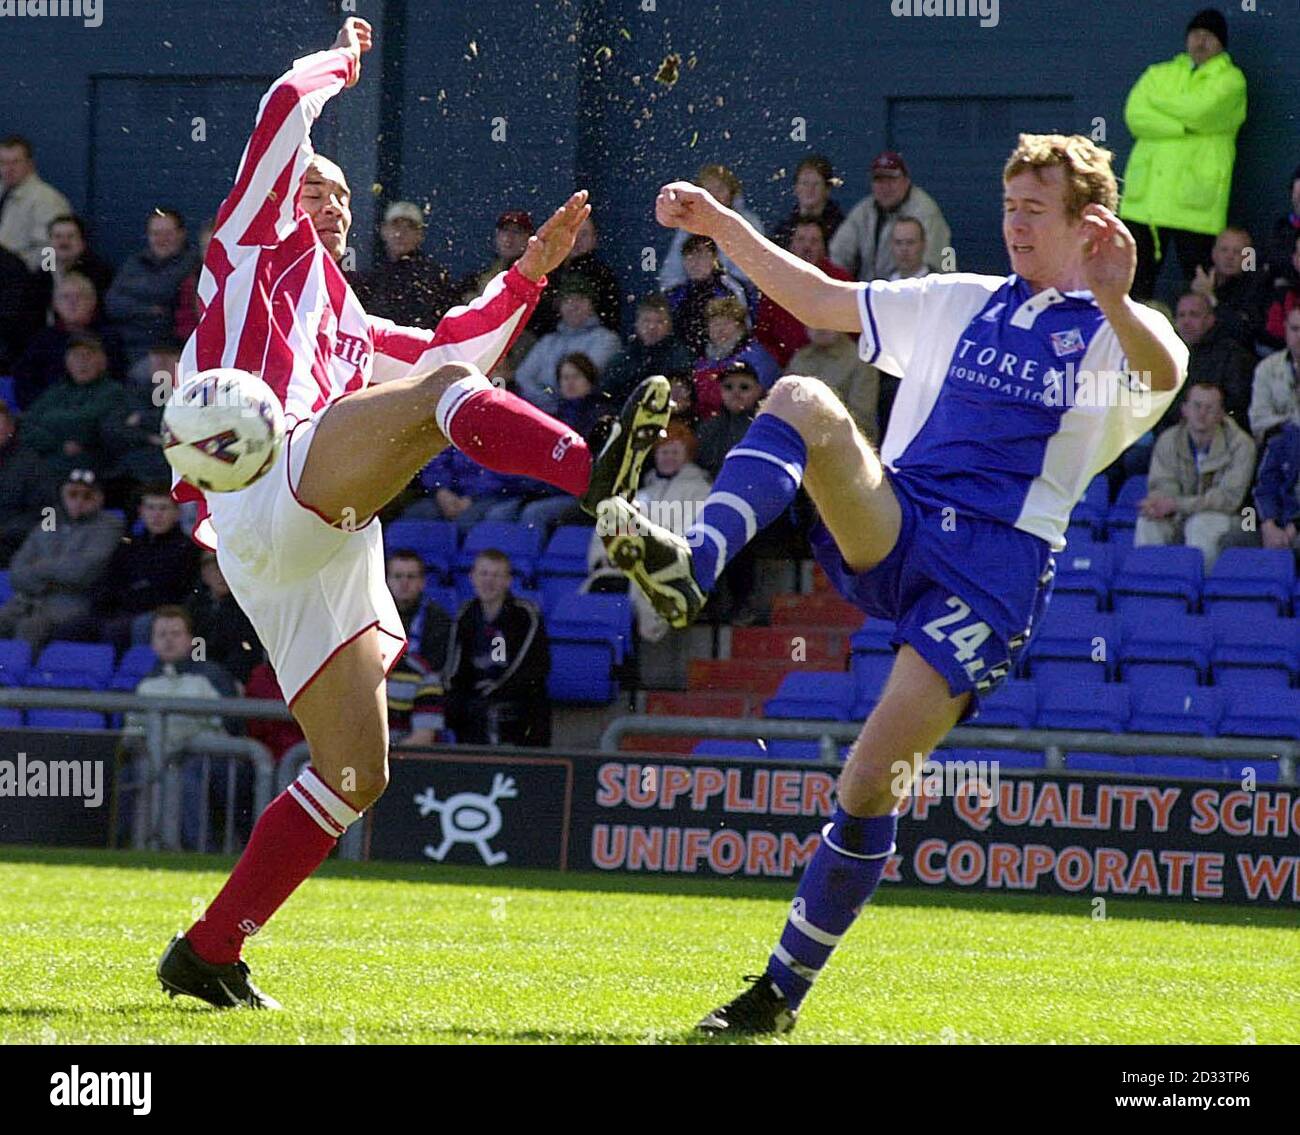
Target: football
<point>222,429</point>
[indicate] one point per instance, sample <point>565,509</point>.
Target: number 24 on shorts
<point>967,639</point>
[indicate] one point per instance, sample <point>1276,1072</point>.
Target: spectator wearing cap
<point>729,342</point>
<point>833,357</point>
<point>863,244</point>
<point>56,570</point>
<point>672,495</point>
<point>1275,392</point>
<point>1184,114</point>
<point>726,188</point>
<point>1214,356</point>
<point>1200,474</point>
<point>1282,240</point>
<point>1238,293</point>
<point>221,629</point>
<point>579,331</point>
<point>143,300</point>
<point>706,280</point>
<point>70,425</point>
<point>654,349</point>
<point>814,178</point>
<point>584,261</point>
<point>780,332</point>
<point>25,486</point>
<point>76,311</point>
<point>72,253</point>
<point>409,287</point>
<point>509,241</point>
<point>155,564</point>
<point>27,204</point>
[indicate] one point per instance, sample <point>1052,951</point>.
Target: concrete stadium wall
<point>569,90</point>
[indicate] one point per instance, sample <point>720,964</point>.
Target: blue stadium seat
<point>73,665</point>
<point>1159,579</point>
<point>1100,762</point>
<point>11,718</point>
<point>64,719</point>
<point>434,540</point>
<point>1122,515</point>
<point>446,597</point>
<point>1173,710</point>
<point>137,660</point>
<point>1085,569</point>
<point>6,588</point>
<point>566,554</point>
<point>1090,512</point>
<point>9,391</point>
<point>813,694</point>
<point>15,660</point>
<point>601,618</point>
<point>1063,649</point>
<point>555,588</point>
<point>790,749</point>
<point>729,747</point>
<point>1012,705</point>
<point>1261,713</point>
<point>1074,604</point>
<point>1251,579</point>
<point>522,544</point>
<point>1253,647</point>
<point>1157,649</point>
<point>1103,709</point>
<point>1008,760</point>
<point>1196,768</point>
<point>1266,772</point>
<point>581,672</point>
<point>873,638</point>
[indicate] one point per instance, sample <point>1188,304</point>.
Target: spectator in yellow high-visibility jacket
<point>1184,114</point>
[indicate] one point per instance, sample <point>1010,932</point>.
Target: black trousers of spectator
<point>1192,249</point>
<point>484,721</point>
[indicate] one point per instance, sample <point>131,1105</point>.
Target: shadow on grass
<point>702,887</point>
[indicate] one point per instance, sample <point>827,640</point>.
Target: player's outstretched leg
<point>803,433</point>
<point>914,714</point>
<point>344,716</point>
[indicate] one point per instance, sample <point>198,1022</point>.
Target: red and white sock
<point>504,433</point>
<point>290,840</point>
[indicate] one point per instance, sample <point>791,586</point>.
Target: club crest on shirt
<point>1067,342</point>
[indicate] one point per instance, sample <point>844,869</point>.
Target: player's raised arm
<point>801,288</point>
<point>260,208</point>
<point>1109,264</point>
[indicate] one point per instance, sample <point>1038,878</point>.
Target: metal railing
<point>1053,742</point>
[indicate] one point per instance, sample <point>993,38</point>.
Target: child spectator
<point>705,281</point>
<point>729,342</point>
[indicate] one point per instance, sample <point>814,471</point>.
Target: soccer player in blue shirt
<point>1015,391</point>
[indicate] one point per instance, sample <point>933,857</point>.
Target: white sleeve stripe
<point>869,331</point>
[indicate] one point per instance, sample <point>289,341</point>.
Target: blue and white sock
<point>757,483</point>
<point>838,882</point>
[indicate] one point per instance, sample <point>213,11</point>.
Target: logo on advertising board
<point>469,818</point>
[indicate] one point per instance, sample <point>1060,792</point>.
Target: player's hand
<point>1109,256</point>
<point>681,205</point>
<point>551,244</point>
<point>356,38</point>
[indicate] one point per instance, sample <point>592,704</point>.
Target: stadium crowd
<point>89,351</point>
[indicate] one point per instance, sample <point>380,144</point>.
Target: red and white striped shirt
<point>277,305</point>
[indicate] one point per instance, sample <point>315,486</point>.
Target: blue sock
<point>757,483</point>
<point>838,882</point>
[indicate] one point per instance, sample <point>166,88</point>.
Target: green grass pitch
<point>412,954</point>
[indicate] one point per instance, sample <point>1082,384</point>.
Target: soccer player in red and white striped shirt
<point>367,404</point>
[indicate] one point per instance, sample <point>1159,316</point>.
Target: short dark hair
<point>655,301</point>
<point>68,219</point>
<point>172,611</point>
<point>496,556</point>
<point>166,346</point>
<point>584,364</point>
<point>17,141</point>
<point>407,554</point>
<point>817,222</point>
<point>741,368</point>
<point>166,211</point>
<point>155,489</point>
<point>1209,303</point>
<point>1209,384</point>
<point>697,241</point>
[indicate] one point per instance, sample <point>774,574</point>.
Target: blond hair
<point>1089,180</point>
<point>727,307</point>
